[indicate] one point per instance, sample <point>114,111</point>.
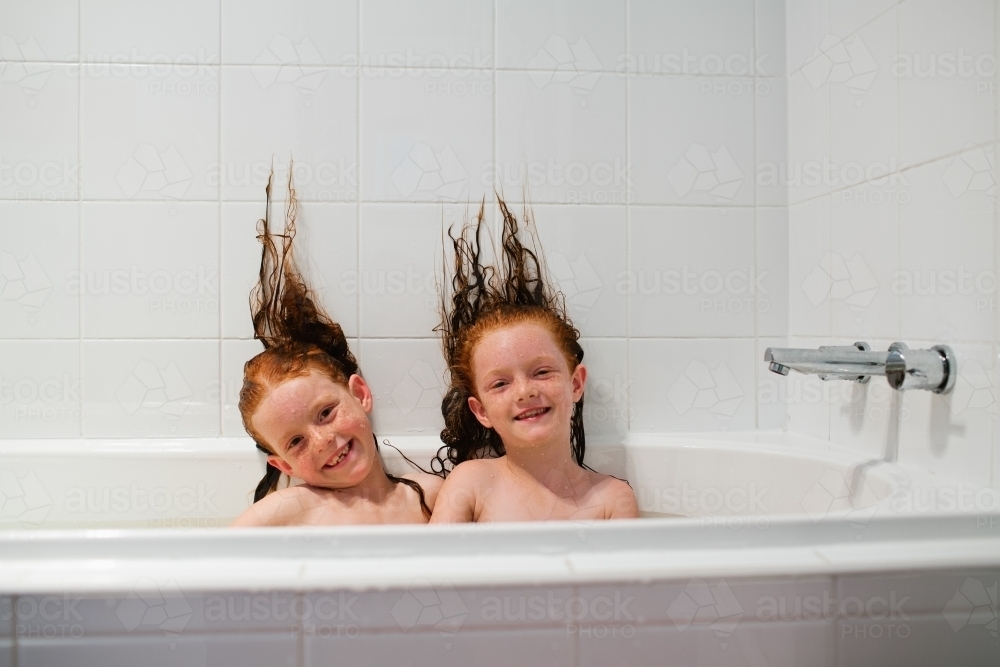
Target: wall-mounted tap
<point>934,369</point>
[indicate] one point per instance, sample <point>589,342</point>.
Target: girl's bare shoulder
<point>431,485</point>
<point>617,494</point>
<point>281,508</point>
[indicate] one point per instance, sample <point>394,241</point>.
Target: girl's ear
<point>280,464</point>
<point>360,390</point>
<point>579,380</point>
<point>479,411</point>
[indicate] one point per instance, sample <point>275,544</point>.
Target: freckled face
<point>319,430</point>
<point>524,387</point>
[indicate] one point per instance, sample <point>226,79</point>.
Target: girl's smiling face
<point>524,388</point>
<point>319,430</point>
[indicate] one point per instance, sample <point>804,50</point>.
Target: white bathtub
<point>729,521</point>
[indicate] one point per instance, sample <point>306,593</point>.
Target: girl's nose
<point>526,389</point>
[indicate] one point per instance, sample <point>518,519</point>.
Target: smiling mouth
<point>531,414</point>
<point>343,455</point>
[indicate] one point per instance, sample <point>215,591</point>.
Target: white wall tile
<point>808,138</point>
<point>930,640</point>
<point>606,405</point>
<point>864,261</point>
<point>771,135</point>
<point>947,281</point>
<point>564,140</point>
<point>714,37</point>
<point>962,182</point>
<point>585,249</point>
<point>561,36</point>
<point>867,416</point>
<point>150,388</point>
<point>40,389</point>
<point>326,253</point>
<point>770,37</point>
<point>426,136</point>
<point>407,379</point>
<point>40,31</point>
<point>311,119</point>
<point>808,23</point>
<point>179,33</point>
<point>771,395</point>
<point>39,253</point>
<point>302,32</point>
<point>149,132</point>
<point>39,135</point>
<point>945,99</point>
<point>771,273</point>
<point>550,647</point>
<point>810,281</point>
<point>700,384</point>
<point>808,398</point>
<point>863,108</point>
<point>847,16</point>
<point>397,280</point>
<point>683,282</point>
<point>235,353</point>
<point>151,270</point>
<point>449,33</point>
<point>691,140</point>
<point>231,650</point>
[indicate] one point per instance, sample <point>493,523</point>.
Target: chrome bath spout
<point>934,369</point>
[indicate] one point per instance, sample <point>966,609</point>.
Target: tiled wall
<point>136,138</point>
<point>914,619</point>
<point>892,184</point>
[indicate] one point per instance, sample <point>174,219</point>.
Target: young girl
<point>514,411</point>
<point>306,405</point>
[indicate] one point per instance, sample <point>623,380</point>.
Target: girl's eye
<point>325,413</point>
<point>294,441</point>
<point>497,384</point>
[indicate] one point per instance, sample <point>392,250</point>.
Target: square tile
<point>150,389</point>
<point>39,278</point>
<point>426,136</point>
<point>407,379</point>
<point>41,31</point>
<point>235,353</point>
<point>317,108</point>
<point>149,132</point>
<point>553,36</point>
<point>693,384</point>
<point>302,32</point>
<point>704,38</point>
<point>449,33</point>
<point>704,154</point>
<point>683,281</point>
<point>40,389</point>
<point>150,270</point>
<point>562,140</point>
<point>179,34</point>
<point>585,249</point>
<point>40,136</point>
<point>771,274</point>
<point>326,250</point>
<point>607,399</point>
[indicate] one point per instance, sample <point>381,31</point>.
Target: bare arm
<point>623,503</point>
<point>456,502</point>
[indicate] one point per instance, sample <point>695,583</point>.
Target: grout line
<point>223,389</point>
<point>628,223</point>
<point>357,157</point>
<point>79,206</point>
